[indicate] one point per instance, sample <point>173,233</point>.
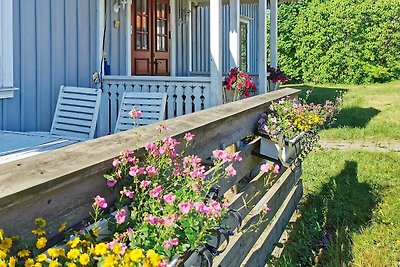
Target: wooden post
<point>262,47</point>
<point>215,51</point>
<point>234,33</point>
<point>274,33</point>
<point>128,33</point>
<point>173,26</point>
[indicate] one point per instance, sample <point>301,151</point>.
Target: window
<point>244,43</point>
<point>6,50</point>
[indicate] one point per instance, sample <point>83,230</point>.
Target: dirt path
<point>371,146</point>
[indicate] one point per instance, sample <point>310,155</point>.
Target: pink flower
<point>149,146</point>
<point>169,198</point>
<point>100,202</point>
<point>220,154</point>
<point>152,219</point>
<point>237,157</point>
<point>162,128</point>
<point>116,163</point>
<point>151,171</point>
<point>111,183</point>
<point>172,242</point>
<point>127,193</point>
<point>156,191</point>
<point>169,221</point>
<point>135,114</point>
<point>276,169</point>
<point>185,207</point>
<point>162,265</point>
<point>230,171</point>
<point>188,136</point>
<point>133,171</point>
<point>201,207</point>
<point>265,167</point>
<point>266,209</point>
<point>144,184</point>
<point>120,216</point>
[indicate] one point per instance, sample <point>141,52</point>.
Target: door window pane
<point>243,46</point>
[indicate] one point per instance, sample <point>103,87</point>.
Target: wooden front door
<point>150,37</point>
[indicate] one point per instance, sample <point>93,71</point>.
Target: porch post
<point>100,34</point>
<point>274,33</point>
<point>234,30</point>
<point>215,51</point>
<point>262,46</point>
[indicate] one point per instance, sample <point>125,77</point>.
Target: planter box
<point>289,150</point>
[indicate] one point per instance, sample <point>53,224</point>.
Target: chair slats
<point>152,106</point>
<point>76,112</point>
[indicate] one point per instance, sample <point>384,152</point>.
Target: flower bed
<point>292,126</point>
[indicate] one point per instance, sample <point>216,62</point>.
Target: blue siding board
<point>43,97</point>
<point>71,49</point>
<point>58,73</point>
<point>83,66</point>
<point>28,68</point>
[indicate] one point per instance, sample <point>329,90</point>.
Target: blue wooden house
<point>180,47</point>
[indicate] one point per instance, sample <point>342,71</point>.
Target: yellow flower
<point>29,262</point>
<point>37,264</point>
<point>41,242</point>
<point>41,257</point>
<point>74,242</point>
<point>71,264</point>
<point>117,248</point>
<point>23,253</point>
<point>146,263</point>
<point>2,264</point>
<point>38,232</point>
<point>109,261</point>
<point>3,255</point>
<point>154,258</point>
<point>40,222</point>
<point>53,264</point>
<point>1,234</point>
<point>56,252</point>
<point>12,262</point>
<point>135,255</point>
<point>84,259</point>
<point>62,227</point>
<point>6,244</point>
<point>100,249</point>
<point>73,254</point>
<point>95,231</point>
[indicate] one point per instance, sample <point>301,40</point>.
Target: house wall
<point>198,61</point>
<point>201,38</point>
<point>54,45</point>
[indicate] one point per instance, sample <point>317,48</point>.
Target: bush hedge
<point>340,41</point>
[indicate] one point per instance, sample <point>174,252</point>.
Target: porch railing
<point>185,95</point>
<point>63,182</point>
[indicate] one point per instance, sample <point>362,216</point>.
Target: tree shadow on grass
<point>353,117</point>
<point>322,236</point>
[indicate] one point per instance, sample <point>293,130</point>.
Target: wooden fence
<point>60,185</point>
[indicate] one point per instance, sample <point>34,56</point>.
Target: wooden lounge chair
<point>152,106</point>
<point>74,120</point>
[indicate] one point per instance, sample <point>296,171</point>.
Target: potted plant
<point>276,77</point>
<point>237,85</point>
<point>292,126</point>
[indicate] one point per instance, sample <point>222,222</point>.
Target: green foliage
<point>340,41</point>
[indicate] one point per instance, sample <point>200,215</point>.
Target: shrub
<point>340,41</point>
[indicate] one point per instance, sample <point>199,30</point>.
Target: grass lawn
<point>369,111</point>
<point>350,211</point>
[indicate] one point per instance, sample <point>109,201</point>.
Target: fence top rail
<point>157,79</point>
<point>21,180</point>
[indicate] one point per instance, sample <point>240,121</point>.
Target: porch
<point>177,46</point>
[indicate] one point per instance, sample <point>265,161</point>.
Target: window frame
<point>6,49</point>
